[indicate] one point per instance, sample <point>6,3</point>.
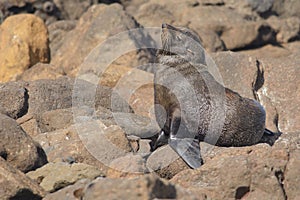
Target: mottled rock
<point>287,29</point>
<point>16,185</point>
<point>18,148</point>
<point>136,87</point>
<point>65,145</point>
<point>41,71</point>
<point>29,124</point>
<point>260,166</point>
<point>45,95</point>
<point>145,187</point>
<point>55,119</point>
<point>97,24</point>
<point>43,9</point>
<point>13,99</point>
<point>272,51</point>
<point>166,162</point>
<point>245,74</point>
<point>128,166</point>
<point>91,142</point>
<point>20,46</point>
<point>57,32</point>
<point>140,126</point>
<point>71,192</point>
<point>282,78</point>
<point>55,176</point>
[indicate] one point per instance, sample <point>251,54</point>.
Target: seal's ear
<point>188,149</point>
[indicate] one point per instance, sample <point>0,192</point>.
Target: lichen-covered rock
<point>23,43</point>
<point>55,176</point>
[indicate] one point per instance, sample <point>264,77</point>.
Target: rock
<point>16,185</point>
<point>18,148</point>
<point>65,145</point>
<point>287,29</point>
<point>223,24</point>
<point>291,175</point>
<point>244,74</point>
<point>136,87</point>
<point>260,166</point>
<point>91,142</point>
<point>43,9</point>
<point>29,124</point>
<point>117,137</point>
<point>20,48</point>
<point>55,176</point>
<point>45,95</point>
<point>266,51</point>
<point>13,99</point>
<point>128,166</point>
<point>140,126</point>
<point>71,192</point>
<point>55,119</point>
<point>57,31</point>
<point>281,88</point>
<point>286,8</point>
<point>96,24</point>
<point>166,162</point>
<point>145,187</point>
<point>41,71</point>
<point>72,10</point>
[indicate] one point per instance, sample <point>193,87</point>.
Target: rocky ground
<point>67,134</point>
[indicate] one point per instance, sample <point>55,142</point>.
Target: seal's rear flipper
<point>188,149</point>
<point>269,137</point>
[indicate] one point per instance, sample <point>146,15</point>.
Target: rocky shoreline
<point>67,133</point>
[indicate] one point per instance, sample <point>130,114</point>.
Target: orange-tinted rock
<point>23,43</point>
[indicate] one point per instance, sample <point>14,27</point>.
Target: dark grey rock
<point>13,99</point>
<point>18,148</point>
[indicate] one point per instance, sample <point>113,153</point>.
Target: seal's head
<point>182,42</point>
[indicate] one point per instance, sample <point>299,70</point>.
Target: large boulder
<point>16,185</point>
<point>23,43</point>
<point>144,187</point>
<point>94,27</point>
<point>18,148</point>
<point>55,176</point>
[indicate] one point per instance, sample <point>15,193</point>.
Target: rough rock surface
<point>104,117</point>
<point>262,168</point>
<point>41,71</point>
<point>13,99</point>
<point>23,43</point>
<point>97,24</point>
<point>71,192</point>
<point>16,185</point>
<point>145,187</point>
<point>55,176</point>
<point>282,77</point>
<point>250,75</point>
<point>18,148</point>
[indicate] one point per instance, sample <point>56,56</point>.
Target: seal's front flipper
<point>188,149</point>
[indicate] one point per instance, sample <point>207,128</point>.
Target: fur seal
<point>191,106</point>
